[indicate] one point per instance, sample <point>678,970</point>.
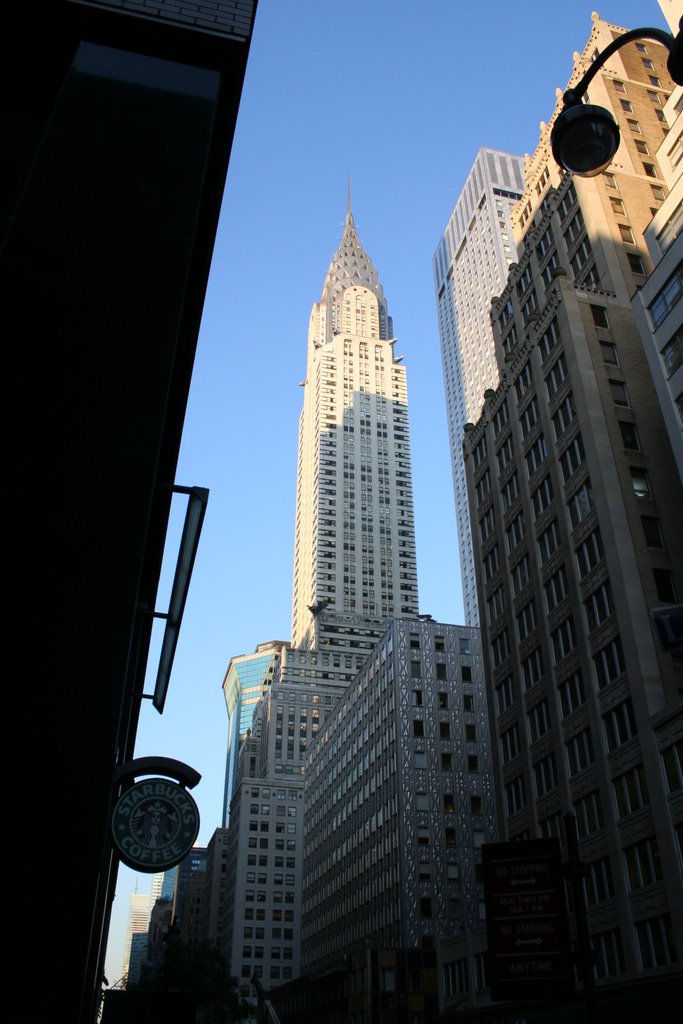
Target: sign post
<point>526,919</point>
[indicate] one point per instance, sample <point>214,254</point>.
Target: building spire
<point>349,214</point>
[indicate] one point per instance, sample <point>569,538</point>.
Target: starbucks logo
<point>154,824</point>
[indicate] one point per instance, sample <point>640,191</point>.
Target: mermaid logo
<point>154,824</point>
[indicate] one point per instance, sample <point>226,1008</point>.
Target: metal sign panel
<point>526,919</point>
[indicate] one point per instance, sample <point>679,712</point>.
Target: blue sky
<point>399,95</point>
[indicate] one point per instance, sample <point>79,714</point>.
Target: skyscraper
<point>354,571</point>
<point>245,682</point>
<point>470,266</point>
<point>575,502</point>
<point>355,537</point>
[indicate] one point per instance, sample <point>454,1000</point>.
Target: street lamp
<point>585,138</point>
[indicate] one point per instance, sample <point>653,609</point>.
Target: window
<point>610,180</point>
<point>667,297</point>
<point>564,415</point>
<point>548,542</point>
<point>567,202</point>
<point>556,589</point>
<point>599,606</point>
<point>515,795</point>
<point>672,353</point>
<point>510,492</point>
<point>636,264</point>
<point>672,762</point>
<point>491,563</point>
<point>609,663</point>
<point>619,393</point>
<point>500,648</point>
<point>626,233</point>
<point>505,697</point>
<point>549,340</point>
<point>642,863</point>
<point>664,582</point>
<point>610,355</point>
<point>496,604</point>
<point>532,669</point>
<point>642,147</point>
<point>505,452</point>
<point>652,532</point>
<point>557,375</point>
<point>527,620</point>
<point>524,381</point>
<point>609,956</point>
<point>536,455</point>
<point>563,639</point>
<point>539,720</point>
<point>509,743</point>
<point>572,693</point>
<point>580,503</point>
<point>627,106</point>
<point>656,942</point>
<point>588,812</point>
<point>483,490</point>
<point>579,751</point>
<point>520,575</point>
<point>640,482</point>
<point>600,318</point>
<point>501,418</point>
<point>630,791</point>
<point>589,553</point>
<point>486,523</point>
<point>620,725</point>
<point>634,126</point>
<point>545,775</point>
<point>629,436</point>
<point>542,497</point>
<point>617,205</point>
<point>515,532</point>
<point>529,417</point>
<point>418,727</point>
<point>571,459</point>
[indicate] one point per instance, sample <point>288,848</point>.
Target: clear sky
<point>399,95</point>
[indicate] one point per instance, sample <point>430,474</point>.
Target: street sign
<point>526,919</point>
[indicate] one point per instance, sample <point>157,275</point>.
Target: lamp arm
<point>573,96</point>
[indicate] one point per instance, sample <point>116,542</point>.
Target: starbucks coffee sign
<point>154,824</point>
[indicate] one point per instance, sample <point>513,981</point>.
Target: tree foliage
<point>199,968</point>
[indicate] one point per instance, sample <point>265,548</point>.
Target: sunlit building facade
<point>470,267</point>
<point>575,503</point>
<point>355,534</point>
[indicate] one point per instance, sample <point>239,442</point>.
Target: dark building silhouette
<point>114,160</point>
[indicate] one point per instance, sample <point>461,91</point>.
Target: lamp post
<point>585,138</point>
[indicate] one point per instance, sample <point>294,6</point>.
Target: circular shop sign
<point>154,824</point>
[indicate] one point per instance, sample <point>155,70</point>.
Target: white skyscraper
<point>471,265</point>
<point>354,571</point>
<point>355,538</point>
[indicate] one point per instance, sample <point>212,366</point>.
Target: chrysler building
<point>355,536</point>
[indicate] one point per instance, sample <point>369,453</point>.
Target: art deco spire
<point>351,266</point>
